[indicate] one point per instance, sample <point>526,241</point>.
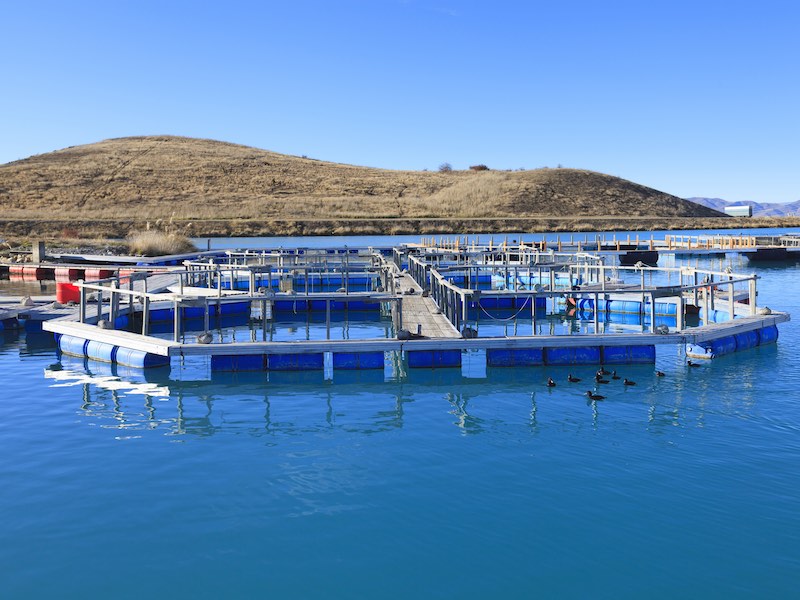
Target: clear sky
<point>692,98</point>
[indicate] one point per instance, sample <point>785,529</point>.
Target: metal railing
<point>694,286</point>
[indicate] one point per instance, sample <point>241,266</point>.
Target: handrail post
<point>399,303</point>
<point>652,312</point>
<point>176,334</point>
<point>731,304</point>
<point>130,296</point>
<point>99,302</point>
<point>114,301</point>
<point>83,301</point>
<point>146,316</point>
<point>327,319</point>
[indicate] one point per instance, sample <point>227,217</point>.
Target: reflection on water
<point>24,287</point>
<point>9,336</point>
<point>464,421</point>
<point>367,402</point>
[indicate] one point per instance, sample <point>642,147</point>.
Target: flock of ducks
<point>600,377</point>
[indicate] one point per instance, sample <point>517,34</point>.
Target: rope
<point>514,316</point>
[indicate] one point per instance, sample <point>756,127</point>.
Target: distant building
<point>739,210</point>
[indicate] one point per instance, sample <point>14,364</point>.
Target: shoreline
<point>95,230</point>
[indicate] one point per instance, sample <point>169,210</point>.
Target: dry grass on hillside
<point>133,180</point>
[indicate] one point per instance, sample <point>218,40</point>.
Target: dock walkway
<point>157,282</point>
<point>421,313</point>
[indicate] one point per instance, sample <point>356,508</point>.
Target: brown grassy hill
<point>224,188</point>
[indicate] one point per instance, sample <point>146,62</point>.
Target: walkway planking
<point>421,311</point>
<point>157,282</point>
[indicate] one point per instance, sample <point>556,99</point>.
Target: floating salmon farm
<point>426,305</point>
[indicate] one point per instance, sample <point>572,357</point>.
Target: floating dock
<point>632,249</point>
<point>437,301</point>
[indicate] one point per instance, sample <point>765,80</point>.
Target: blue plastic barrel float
<point>629,355</point>
<point>667,309</point>
<point>746,340</point>
<point>238,362</point>
<point>579,355</point>
<point>101,351</point>
<point>624,306</point>
<point>140,359</point>
<point>296,362</point>
<point>73,345</point>
<point>514,357</point>
<point>768,335</point>
<point>358,360</point>
<point>714,316</point>
<point>723,345</point>
<point>712,348</point>
<point>433,358</point>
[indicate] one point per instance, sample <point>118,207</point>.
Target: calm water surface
<point>440,484</point>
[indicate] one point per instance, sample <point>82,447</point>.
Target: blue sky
<point>692,98</point>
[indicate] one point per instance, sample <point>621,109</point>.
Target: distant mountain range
<point>760,209</point>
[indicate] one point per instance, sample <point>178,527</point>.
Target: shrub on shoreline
<point>158,243</point>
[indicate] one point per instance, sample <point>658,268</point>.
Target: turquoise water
<point>434,484</point>
<point>284,327</point>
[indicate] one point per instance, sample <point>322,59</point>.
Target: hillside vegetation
<point>216,188</point>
